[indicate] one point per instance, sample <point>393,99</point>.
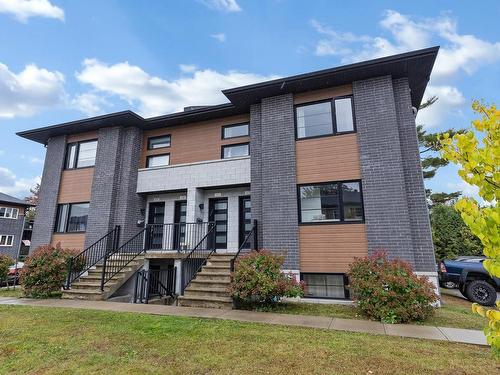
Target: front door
<point>245,222</point>
<point>156,216</point>
<point>218,215</point>
<point>180,224</point>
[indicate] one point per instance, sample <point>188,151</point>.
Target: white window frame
<point>11,211</point>
<point>4,240</point>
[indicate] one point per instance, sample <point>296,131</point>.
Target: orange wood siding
<point>331,248</point>
<point>69,240</point>
<point>325,159</point>
<point>312,96</point>
<point>76,185</point>
<point>194,142</point>
<point>82,136</point>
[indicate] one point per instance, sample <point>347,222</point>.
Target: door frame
<point>211,209</point>
<point>241,218</point>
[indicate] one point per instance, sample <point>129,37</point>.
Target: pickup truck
<point>473,281</point>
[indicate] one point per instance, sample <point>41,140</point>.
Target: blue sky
<point>66,60</point>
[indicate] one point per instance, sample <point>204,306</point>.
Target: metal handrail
<point>150,281</point>
<point>254,246</point>
<point>175,236</point>
<point>89,257</point>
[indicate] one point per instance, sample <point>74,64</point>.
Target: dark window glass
<point>77,221</point>
<point>319,203</point>
<point>351,201</point>
<point>71,155</point>
<point>158,142</point>
<point>314,120</point>
<point>324,285</point>
<point>343,115</point>
<point>234,151</point>
<point>157,161</point>
<point>233,131</point>
<point>62,217</point>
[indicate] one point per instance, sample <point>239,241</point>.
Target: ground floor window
<point>72,217</point>
<point>325,285</point>
<point>6,240</point>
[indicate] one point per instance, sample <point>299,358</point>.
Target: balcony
<point>212,173</point>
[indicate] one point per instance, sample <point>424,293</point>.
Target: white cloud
<point>221,37</point>
<point>90,103</point>
<point>222,5</point>
<point>11,184</point>
<point>32,159</point>
<point>29,91</point>
<point>450,101</point>
<point>24,9</point>
<point>2,152</point>
<point>156,96</point>
<point>187,68</point>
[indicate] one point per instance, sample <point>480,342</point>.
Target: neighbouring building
<point>325,164</point>
<point>12,212</point>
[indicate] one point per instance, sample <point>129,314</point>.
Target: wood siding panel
<point>76,185</point>
<point>325,159</point>
<point>194,142</point>
<point>331,248</point>
<point>312,96</point>
<point>82,136</point>
<point>69,240</point>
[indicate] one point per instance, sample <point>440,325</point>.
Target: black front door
<point>245,222</point>
<point>156,216</point>
<point>218,215</point>
<point>180,224</point>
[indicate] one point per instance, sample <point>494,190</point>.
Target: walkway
<point>466,336</point>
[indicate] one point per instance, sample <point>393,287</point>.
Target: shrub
<point>389,291</point>
<point>5,262</point>
<point>258,279</point>
<point>45,271</point>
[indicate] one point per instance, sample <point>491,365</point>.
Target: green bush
<point>5,262</point>
<point>258,279</point>
<point>45,271</point>
<point>389,291</point>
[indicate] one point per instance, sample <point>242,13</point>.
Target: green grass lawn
<point>11,292</point>
<point>40,340</point>
<point>455,312</point>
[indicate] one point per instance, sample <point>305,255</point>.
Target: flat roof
<point>414,65</point>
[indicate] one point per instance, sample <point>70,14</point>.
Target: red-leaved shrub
<point>45,270</point>
<point>389,291</point>
<point>258,279</point>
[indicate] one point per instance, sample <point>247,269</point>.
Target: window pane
<point>15,212</point>
<point>3,240</point>
<point>157,161</point>
<point>351,199</point>
<point>78,217</point>
<point>2,211</point>
<point>8,213</point>
<point>343,115</point>
<point>235,151</point>
<point>62,215</point>
<point>86,154</point>
<point>326,286</point>
<point>236,131</point>
<point>70,156</point>
<point>158,142</point>
<point>314,120</point>
<point>319,203</point>
<point>10,240</point>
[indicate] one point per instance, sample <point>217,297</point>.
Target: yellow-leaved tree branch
<point>477,154</point>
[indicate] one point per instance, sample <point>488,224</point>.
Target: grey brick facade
<point>49,190</point>
<point>274,196</point>
<point>394,200</point>
<point>13,227</point>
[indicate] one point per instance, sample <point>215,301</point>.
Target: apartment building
<point>12,211</point>
<point>323,167</point>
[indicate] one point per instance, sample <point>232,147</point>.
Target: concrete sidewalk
<point>466,336</point>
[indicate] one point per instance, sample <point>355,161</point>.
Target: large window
<point>331,202</point>
<point>9,212</point>
<point>324,285</point>
<point>233,151</point>
<point>6,240</point>
<point>158,142</point>
<point>81,154</point>
<point>234,131</point>
<point>72,217</point>
<point>324,118</point>
<point>157,161</point>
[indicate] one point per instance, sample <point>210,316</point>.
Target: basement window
<point>325,285</point>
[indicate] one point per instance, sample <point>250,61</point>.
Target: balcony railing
<point>175,236</point>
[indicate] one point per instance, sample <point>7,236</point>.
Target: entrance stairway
<point>210,287</point>
<point>88,287</point>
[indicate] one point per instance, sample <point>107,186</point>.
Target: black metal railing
<point>92,255</point>
<point>250,243</point>
<point>116,260</point>
<point>175,236</point>
<point>154,283</point>
<point>197,257</point>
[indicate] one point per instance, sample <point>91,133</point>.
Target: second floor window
<point>324,118</point>
<point>6,240</point>
<point>158,142</point>
<point>72,217</point>
<point>81,154</point>
<point>234,131</point>
<point>233,151</point>
<point>157,160</point>
<point>9,212</point>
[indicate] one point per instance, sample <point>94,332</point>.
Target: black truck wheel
<point>482,292</point>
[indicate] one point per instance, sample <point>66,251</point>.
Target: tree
<point>478,159</point>
<point>451,236</point>
<point>32,199</point>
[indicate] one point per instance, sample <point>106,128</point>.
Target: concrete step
<point>210,283</point>
<point>210,302</point>
<point>206,276</point>
<point>124,269</point>
<point>91,285</point>
<point>193,291</point>
<point>220,257</point>
<point>90,295</point>
<point>216,270</point>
